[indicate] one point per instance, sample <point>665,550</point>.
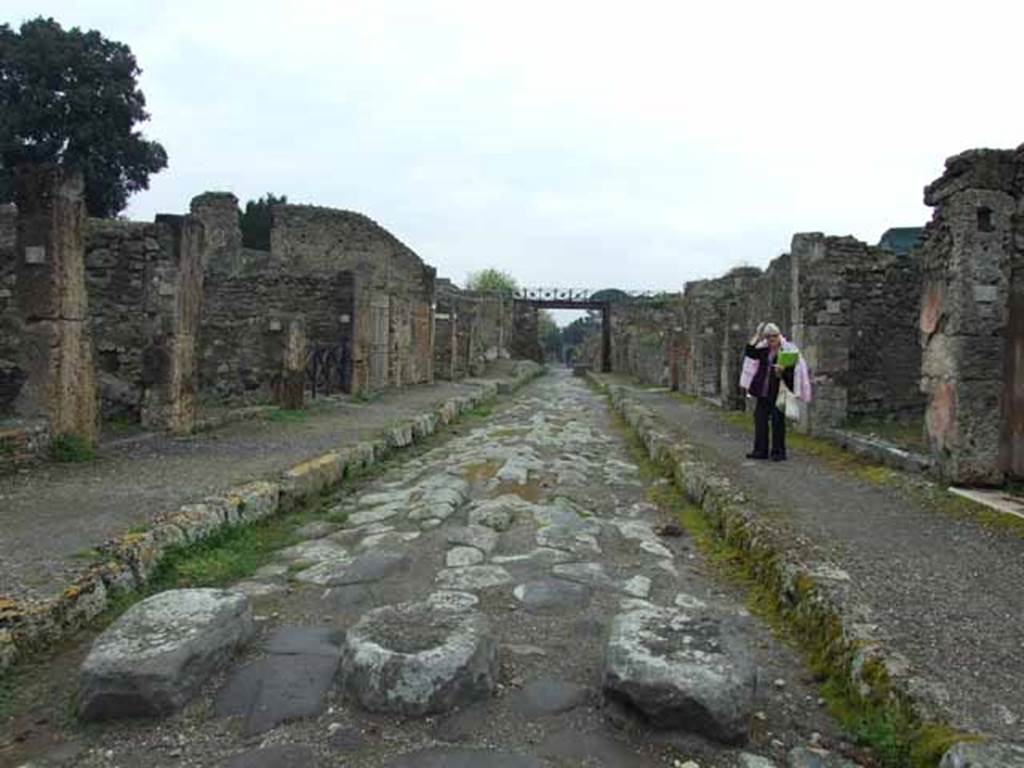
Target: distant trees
<point>255,221</point>
<point>549,335</point>
<point>72,98</point>
<point>492,280</point>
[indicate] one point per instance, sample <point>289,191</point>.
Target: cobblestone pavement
<point>533,531</point>
<point>943,592</point>
<point>54,513</point>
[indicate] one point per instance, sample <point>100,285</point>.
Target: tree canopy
<point>71,97</point>
<point>492,280</point>
<point>255,221</point>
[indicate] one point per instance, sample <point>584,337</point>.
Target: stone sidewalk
<point>942,593</point>
<point>52,516</point>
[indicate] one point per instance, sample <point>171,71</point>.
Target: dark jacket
<point>757,383</point>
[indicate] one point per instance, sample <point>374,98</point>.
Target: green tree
<point>492,280</point>
<point>255,221</point>
<point>71,97</point>
<point>549,335</point>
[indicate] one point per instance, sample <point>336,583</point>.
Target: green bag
<point>787,359</point>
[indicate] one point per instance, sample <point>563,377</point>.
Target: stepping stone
<point>552,596</point>
<point>682,671</point>
<point>459,557</point>
<point>989,754</point>
<point>280,756</point>
<point>806,757</point>
<point>472,577</point>
<point>419,658</point>
<point>290,684</point>
<point>454,757</point>
<point>154,658</point>
<point>478,536</point>
<point>547,697</point>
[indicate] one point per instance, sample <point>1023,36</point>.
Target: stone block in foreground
<point>419,658</point>
<point>153,659</point>
<point>683,671</point>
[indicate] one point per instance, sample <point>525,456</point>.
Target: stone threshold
<point>129,560</point>
<point>814,593</point>
<point>1000,501</point>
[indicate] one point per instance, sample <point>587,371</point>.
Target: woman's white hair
<point>770,329</point>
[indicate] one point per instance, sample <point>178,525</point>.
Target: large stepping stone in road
<point>547,697</point>
<point>454,757</point>
<point>692,672</point>
<point>419,658</point>
<point>154,658</point>
<point>988,754</point>
<point>289,684</point>
<point>552,596</point>
<point>278,756</point>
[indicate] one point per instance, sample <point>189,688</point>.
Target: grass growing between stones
<point>284,416</point>
<point>72,448</point>
<point>878,718</point>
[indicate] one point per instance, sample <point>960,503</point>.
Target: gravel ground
<point>553,449</point>
<point>51,514</point>
<point>945,593</point>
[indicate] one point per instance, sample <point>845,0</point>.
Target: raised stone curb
<point>878,450</point>
<point>806,591</point>
<point>128,561</point>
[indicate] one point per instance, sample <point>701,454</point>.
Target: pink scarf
<point>801,376</point>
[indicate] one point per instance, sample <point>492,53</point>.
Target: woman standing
<point>764,348</point>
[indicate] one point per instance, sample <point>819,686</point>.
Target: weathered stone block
<point>153,659</point>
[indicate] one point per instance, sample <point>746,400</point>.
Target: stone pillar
<point>288,345</point>
<point>174,296</point>
<point>821,322</point>
<point>219,213</point>
<point>606,339</point>
<point>969,253</point>
<point>51,302</point>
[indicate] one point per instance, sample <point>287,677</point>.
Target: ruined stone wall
<point>10,374</point>
<point>245,317</point>
<point>641,334</point>
<point>145,285</point>
<point>972,329</point>
<point>118,259</point>
<point>393,313</point>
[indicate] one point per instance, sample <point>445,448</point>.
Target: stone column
<point>219,213</point>
<point>969,253</point>
<point>174,296</point>
<point>51,302</point>
<point>821,324</point>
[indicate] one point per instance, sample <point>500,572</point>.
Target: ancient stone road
<point>470,613</point>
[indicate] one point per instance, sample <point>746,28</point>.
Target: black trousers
<point>767,410</point>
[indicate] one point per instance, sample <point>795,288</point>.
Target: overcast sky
<point>629,144</point>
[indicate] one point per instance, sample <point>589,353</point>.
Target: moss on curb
<point>855,684</point>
